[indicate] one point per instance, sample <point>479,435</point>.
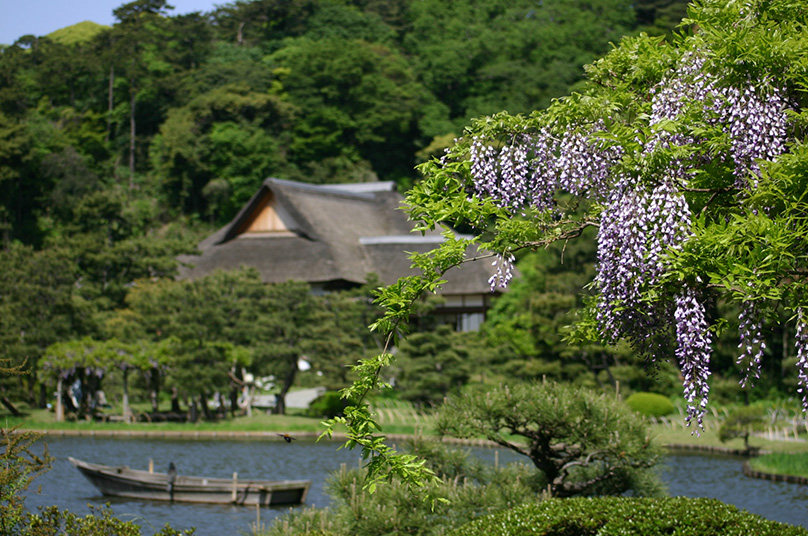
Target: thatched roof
<point>328,235</point>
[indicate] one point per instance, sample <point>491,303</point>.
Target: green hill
<point>77,33</point>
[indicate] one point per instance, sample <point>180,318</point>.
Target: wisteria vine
<point>646,216</point>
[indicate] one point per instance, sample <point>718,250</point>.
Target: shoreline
<point>276,436</point>
<point>339,437</point>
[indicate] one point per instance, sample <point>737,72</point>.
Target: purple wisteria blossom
<point>531,170</point>
<point>750,330</point>
<point>504,273</point>
<point>754,115</point>
<point>635,231</point>
<point>756,121</point>
<point>693,353</point>
<point>802,356</point>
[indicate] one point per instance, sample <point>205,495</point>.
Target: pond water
<point>686,474</point>
<point>721,477</point>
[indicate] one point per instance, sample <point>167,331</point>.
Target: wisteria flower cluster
<point>529,171</point>
<point>635,231</point>
<point>754,115</point>
<point>504,273</point>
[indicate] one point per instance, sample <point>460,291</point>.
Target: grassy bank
<point>396,418</point>
<point>679,435</point>
<point>780,463</point>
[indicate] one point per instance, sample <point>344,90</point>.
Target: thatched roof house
<point>333,236</point>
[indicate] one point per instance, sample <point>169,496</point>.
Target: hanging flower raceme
<point>802,356</point>
<point>504,273</point>
<point>693,353</point>
<point>750,330</point>
<point>531,170</point>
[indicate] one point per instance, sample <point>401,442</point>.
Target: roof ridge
<point>342,189</point>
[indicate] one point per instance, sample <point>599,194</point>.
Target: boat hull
<point>131,483</point>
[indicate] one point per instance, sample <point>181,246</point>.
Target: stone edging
<point>275,436</point>
<point>713,448</point>
<point>213,435</point>
<point>793,479</point>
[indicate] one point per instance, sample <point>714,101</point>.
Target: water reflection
<point>686,474</point>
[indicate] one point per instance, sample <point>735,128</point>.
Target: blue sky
<point>41,17</point>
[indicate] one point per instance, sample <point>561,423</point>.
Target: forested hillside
<point>191,112</point>
<point>120,147</point>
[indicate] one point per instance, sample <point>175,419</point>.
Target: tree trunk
<point>60,410</point>
<point>288,381</point>
<point>154,389</point>
<point>132,94</point>
<point>7,403</point>
<point>233,400</point>
<point>203,403</point>
<point>110,101</point>
<point>127,413</point>
<point>30,388</point>
<point>250,393</point>
<point>175,401</point>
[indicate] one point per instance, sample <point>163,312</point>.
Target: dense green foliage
<point>640,517</point>
<point>431,365</point>
<point>199,337</point>
<point>196,110</point>
<point>121,147</point>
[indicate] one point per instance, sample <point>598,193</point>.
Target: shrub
<point>473,488</point>
<point>742,422</point>
<point>329,405</point>
<point>583,442</point>
<point>626,516</point>
<point>650,404</point>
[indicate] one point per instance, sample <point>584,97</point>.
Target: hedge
<point>651,404</point>
<point>612,516</point>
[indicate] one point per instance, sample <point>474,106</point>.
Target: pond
<point>686,474</point>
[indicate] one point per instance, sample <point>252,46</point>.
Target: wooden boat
<point>125,482</point>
